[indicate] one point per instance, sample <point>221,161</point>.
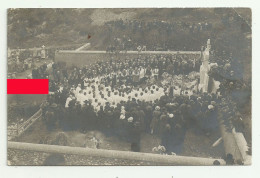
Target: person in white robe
<point>78,88</point>
<point>81,97</point>
<point>142,73</point>
<point>68,101</point>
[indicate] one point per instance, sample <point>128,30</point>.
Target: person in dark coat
<point>141,118</point>
<point>162,123</point>
<point>155,120</point>
<point>134,134</point>
<point>167,138</point>
<point>148,117</point>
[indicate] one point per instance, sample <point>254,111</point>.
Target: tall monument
<point>204,69</point>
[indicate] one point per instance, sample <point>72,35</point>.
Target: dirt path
<point>194,144</point>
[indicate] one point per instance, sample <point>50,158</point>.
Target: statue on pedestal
<point>204,69</point>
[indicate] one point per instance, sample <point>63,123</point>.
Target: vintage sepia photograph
<point>129,86</point>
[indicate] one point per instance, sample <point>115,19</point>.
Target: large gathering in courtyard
<point>151,85</point>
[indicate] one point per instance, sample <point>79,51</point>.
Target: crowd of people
<point>229,72</point>
<point>127,97</point>
<point>136,25</point>
<point>167,117</point>
<point>172,63</point>
<point>130,27</point>
<point>18,62</point>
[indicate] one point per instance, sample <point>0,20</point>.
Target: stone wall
<point>81,58</point>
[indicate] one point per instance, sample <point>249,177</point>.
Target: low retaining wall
<point>81,58</point>
<point>156,158</point>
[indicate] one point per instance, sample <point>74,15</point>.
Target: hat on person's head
<point>122,116</point>
<point>210,107</point>
<point>171,115</point>
<point>130,119</point>
<point>157,108</point>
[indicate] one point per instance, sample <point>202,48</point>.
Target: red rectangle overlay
<point>27,86</point>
